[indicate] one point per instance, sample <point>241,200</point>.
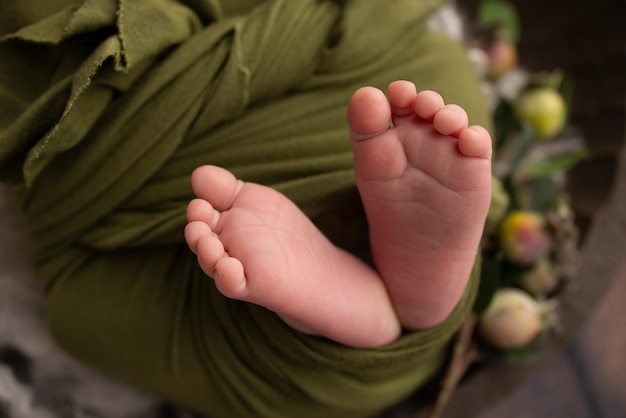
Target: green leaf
<point>567,92</point>
<point>525,143</point>
<point>552,79</point>
<point>489,281</point>
<point>511,273</point>
<point>545,168</point>
<point>545,195</point>
<point>500,13</point>
<point>505,123</point>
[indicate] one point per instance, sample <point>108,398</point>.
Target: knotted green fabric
<point>105,109</point>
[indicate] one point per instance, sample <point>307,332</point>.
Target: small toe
<point>210,251</point>
<point>427,104</point>
<point>194,232</point>
<point>202,211</point>
<point>450,120</point>
<point>475,141</point>
<point>402,96</point>
<point>230,279</point>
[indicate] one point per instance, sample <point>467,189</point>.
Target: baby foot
<point>260,248</point>
<point>426,188</point>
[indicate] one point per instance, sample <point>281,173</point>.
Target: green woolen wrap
<point>106,108</point>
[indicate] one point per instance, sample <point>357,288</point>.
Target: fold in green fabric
<point>105,109</point>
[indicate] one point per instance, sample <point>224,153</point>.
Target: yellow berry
<point>523,237</point>
<point>544,109</point>
<point>512,320</point>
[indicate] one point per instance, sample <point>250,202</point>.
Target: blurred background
<point>583,376</point>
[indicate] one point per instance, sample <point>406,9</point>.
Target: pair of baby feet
<point>424,178</point>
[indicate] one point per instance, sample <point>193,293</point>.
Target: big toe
<point>216,185</point>
<point>369,113</point>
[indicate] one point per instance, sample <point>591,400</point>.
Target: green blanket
<point>105,109</point>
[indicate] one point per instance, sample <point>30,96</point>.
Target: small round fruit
<point>502,56</point>
<point>541,280</point>
<point>523,237</point>
<point>512,320</point>
<point>544,109</point>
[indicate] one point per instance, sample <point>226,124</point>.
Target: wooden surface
<point>588,378</point>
